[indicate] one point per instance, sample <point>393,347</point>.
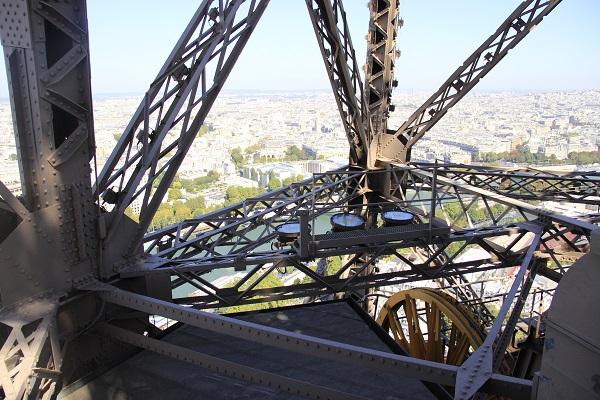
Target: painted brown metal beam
<point>396,145</point>
<point>333,35</point>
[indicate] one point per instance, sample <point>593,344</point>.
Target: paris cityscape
<point>263,140</point>
<point>237,222</point>
<point>253,142</point>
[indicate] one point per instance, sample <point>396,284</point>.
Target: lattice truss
<point>31,357</point>
<point>242,235</point>
<point>530,183</point>
<point>175,107</point>
<point>459,211</point>
<point>396,146</point>
<point>331,29</point>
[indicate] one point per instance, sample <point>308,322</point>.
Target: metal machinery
<point>82,284</point>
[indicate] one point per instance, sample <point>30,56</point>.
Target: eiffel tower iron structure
<point>85,289</point>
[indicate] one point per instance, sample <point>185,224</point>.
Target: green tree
<point>294,153</point>
<point>453,210</point>
<point>235,194</point>
<point>164,216</point>
<point>334,264</point>
<point>200,183</point>
<point>476,214</point>
<point>175,194</point>
<point>197,205</point>
<point>274,183</point>
<point>157,180</point>
<point>237,157</point>
<point>202,131</point>
<point>270,281</point>
<point>181,211</point>
<point>292,179</point>
<point>253,149</point>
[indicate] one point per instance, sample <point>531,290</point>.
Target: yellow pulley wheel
<point>431,325</point>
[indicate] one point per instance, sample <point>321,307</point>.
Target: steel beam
<point>479,367</point>
<point>223,367</point>
<point>528,183</point>
<point>47,58</point>
<point>178,101</point>
<point>333,35</point>
<point>229,225</point>
<point>396,145</point>
<point>524,208</point>
<point>323,348</point>
<point>32,343</point>
<point>384,24</point>
<point>188,261</point>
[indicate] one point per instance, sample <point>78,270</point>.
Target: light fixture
<point>344,222</point>
<point>288,232</point>
<point>397,217</point>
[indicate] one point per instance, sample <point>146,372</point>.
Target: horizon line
<point>105,95</point>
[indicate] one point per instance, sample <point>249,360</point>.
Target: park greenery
<point>168,214</point>
<point>238,157</point>
<point>197,184</point>
<point>178,209</point>
<point>235,194</point>
<point>276,183</point>
<point>189,185</point>
<point>270,281</point>
<point>292,153</point>
<point>334,264</point>
<point>522,155</point>
<point>476,213</point>
<point>204,129</point>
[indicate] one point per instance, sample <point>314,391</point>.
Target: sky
<point>129,40</point>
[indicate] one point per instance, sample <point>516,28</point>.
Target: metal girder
<point>528,183</point>
<point>47,58</point>
<point>202,237</point>
<point>396,145</point>
<point>46,50</point>
<point>13,203</point>
<point>381,58</point>
<point>523,207</point>
<point>504,338</point>
<point>479,367</point>
<point>31,356</point>
<point>340,281</point>
<point>223,367</point>
<point>223,241</point>
<point>173,110</point>
<point>323,348</point>
<point>333,35</point>
<point>330,285</point>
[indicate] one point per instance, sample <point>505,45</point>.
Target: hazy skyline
<point>129,41</point>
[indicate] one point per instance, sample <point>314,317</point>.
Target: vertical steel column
<point>144,162</point>
<point>396,146</point>
<point>332,32</point>
<point>46,53</point>
<point>381,58</point>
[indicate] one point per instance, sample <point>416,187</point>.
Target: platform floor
<point>149,376</point>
